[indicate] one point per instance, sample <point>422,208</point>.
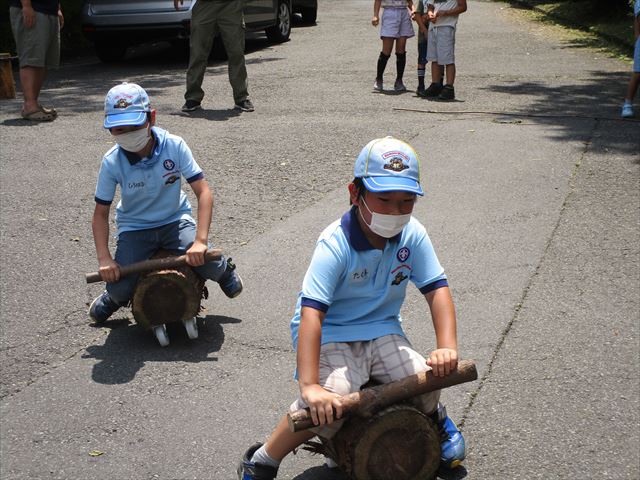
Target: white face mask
<point>386,226</point>
<point>133,141</point>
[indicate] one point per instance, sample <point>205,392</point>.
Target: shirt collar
<point>354,233</point>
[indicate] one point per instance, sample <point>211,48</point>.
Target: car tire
<point>110,52</point>
<point>309,14</point>
<point>281,31</point>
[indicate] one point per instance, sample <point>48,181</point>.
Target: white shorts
<point>396,23</point>
<point>440,47</point>
<point>346,367</point>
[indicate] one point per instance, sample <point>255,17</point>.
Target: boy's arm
<point>320,401</point>
<point>108,268</point>
<point>376,13</point>
<point>195,254</point>
<point>444,359</point>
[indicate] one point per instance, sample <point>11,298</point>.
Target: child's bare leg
<point>436,74</point>
<point>451,73</point>
<point>387,45</point>
<point>634,82</point>
<point>283,441</point>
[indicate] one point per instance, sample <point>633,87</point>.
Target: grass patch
<point>607,29</point>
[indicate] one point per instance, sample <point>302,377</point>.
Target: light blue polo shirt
<point>361,288</point>
<point>150,188</point>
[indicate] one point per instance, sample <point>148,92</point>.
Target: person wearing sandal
<point>36,28</point>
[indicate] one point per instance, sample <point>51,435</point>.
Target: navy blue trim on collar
<point>354,233</point>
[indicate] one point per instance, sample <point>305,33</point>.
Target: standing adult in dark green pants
<point>208,19</point>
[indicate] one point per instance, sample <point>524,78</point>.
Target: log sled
<point>168,290</point>
<point>384,436</point>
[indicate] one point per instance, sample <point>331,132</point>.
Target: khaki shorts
<point>440,46</point>
<point>38,46</point>
<point>345,367</point>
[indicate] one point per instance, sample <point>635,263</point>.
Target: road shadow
<point>570,110</point>
<point>219,115</point>
<point>129,346</point>
<point>324,473</point>
<point>80,85</point>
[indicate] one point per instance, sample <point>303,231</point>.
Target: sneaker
<point>245,105</point>
<point>377,85</point>
<point>447,93</point>
<point>421,92</point>
<point>102,308</point>
<point>452,445</point>
<point>433,90</point>
<point>230,282</point>
<point>191,105</point>
<point>627,111</point>
<point>248,470</point>
<point>399,86</point>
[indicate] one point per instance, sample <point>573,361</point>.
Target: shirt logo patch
<point>169,164</point>
<point>133,185</point>
<point>403,254</point>
<point>171,179</point>
<point>399,278</point>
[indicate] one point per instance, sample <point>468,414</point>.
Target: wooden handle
<point>156,264</point>
<point>368,401</point>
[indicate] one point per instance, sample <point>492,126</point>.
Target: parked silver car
<point>114,25</point>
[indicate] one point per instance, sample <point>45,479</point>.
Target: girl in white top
<point>396,27</point>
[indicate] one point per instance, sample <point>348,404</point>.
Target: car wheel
<point>282,29</point>
<point>309,14</point>
<point>109,52</point>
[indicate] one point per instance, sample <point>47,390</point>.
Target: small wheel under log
<point>399,443</point>
<point>191,326</point>
<point>160,331</point>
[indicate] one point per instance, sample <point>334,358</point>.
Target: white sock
<point>261,456</point>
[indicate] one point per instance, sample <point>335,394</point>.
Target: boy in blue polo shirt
<point>154,213</point>
<point>347,327</point>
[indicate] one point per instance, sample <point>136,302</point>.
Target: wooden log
<point>165,296</point>
<point>155,264</point>
<point>7,84</point>
<point>399,443</point>
<point>370,400</point>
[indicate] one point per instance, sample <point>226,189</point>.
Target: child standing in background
<point>396,27</point>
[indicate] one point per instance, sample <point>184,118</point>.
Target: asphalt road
<point>533,206</point>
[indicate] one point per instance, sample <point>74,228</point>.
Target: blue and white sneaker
<point>230,282</point>
<point>627,110</point>
<point>102,308</point>
<point>248,470</point>
<point>453,450</point>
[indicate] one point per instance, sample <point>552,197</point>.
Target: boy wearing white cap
<point>347,327</point>
<point>148,164</point>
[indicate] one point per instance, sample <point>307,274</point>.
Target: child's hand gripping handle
<point>371,400</point>
<point>155,264</point>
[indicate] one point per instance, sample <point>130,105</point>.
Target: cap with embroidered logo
<point>388,164</point>
<point>126,104</point>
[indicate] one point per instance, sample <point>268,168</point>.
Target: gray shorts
<point>345,367</point>
<point>38,46</point>
<point>441,44</point>
<point>396,23</point>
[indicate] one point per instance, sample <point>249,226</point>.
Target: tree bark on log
<point>165,296</point>
<point>398,443</point>
<point>370,400</point>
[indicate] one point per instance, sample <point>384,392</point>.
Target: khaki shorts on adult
<point>440,47</point>
<point>38,46</point>
<point>345,367</point>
